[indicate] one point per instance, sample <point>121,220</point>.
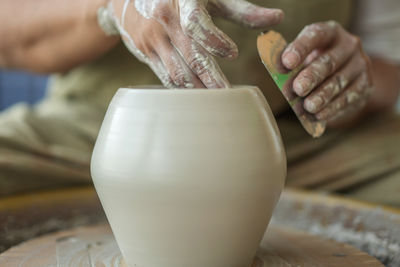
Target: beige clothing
<point>49,145</point>
<point>46,146</point>
<point>362,162</point>
<point>378,25</point>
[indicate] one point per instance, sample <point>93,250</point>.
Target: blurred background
<point>17,86</point>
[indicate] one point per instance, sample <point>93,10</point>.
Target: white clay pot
<point>189,177</point>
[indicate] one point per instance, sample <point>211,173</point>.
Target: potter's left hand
<point>336,80</point>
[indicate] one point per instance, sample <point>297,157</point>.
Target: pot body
<point>189,177</point>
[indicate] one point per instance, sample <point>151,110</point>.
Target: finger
<point>197,23</point>
<point>178,71</point>
<point>149,57</point>
<point>201,63</point>
<point>324,65</point>
<point>159,69</point>
<point>246,13</point>
<point>314,36</point>
<point>336,84</point>
<point>350,99</point>
<point>312,56</point>
<point>205,67</point>
<point>349,111</point>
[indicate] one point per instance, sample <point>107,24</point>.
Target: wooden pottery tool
<point>270,47</point>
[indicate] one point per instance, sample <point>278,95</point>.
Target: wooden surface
<point>26,216</point>
<point>95,246</point>
<point>371,228</point>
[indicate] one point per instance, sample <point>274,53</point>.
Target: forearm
<point>378,25</point>
<point>386,78</point>
<point>50,35</point>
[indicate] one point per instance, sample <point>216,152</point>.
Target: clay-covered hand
<point>336,80</point>
<point>178,39</point>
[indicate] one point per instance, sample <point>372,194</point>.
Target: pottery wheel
<point>96,246</point>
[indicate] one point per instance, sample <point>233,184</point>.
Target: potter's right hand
<point>178,39</point>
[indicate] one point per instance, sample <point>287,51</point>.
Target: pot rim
<point>164,89</point>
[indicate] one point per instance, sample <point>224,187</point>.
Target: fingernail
<point>313,104</point>
<point>301,86</point>
<point>291,59</point>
